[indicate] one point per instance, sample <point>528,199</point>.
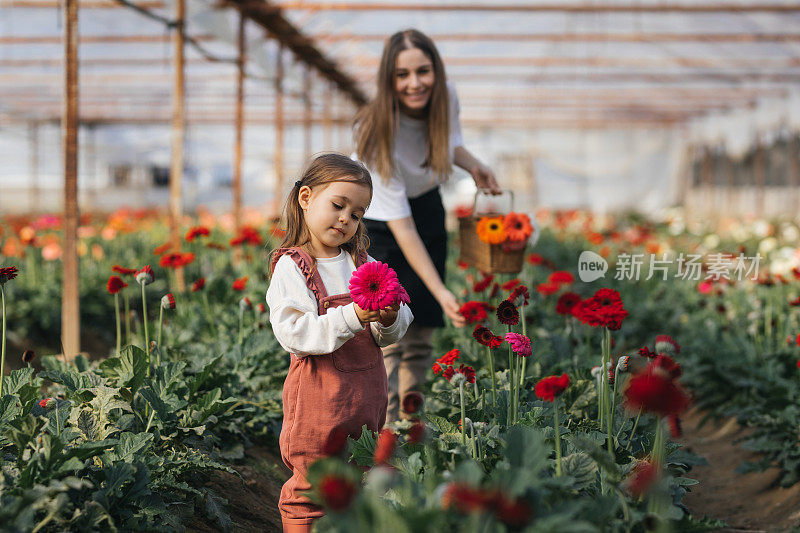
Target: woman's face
<point>413,81</point>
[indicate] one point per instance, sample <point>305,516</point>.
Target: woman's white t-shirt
<point>411,179</point>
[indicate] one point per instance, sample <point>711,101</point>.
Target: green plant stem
<point>524,332</point>
<point>127,319</point>
<point>3,349</point>
<point>463,419</point>
<point>606,402</point>
<point>144,322</point>
<point>160,323</point>
<point>630,439</point>
<point>241,326</point>
<point>209,316</point>
<point>472,440</point>
<point>149,421</point>
<point>58,421</point>
<point>511,379</point>
<point>491,371</point>
<point>558,438</point>
<point>119,327</point>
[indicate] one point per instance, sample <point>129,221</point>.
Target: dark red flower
<point>337,492</point>
<point>548,288</point>
<point>468,372</point>
<point>124,271</point>
<point>240,284</point>
<point>247,235</point>
<point>495,290</point>
<point>653,390</point>
<point>643,476</point>
<point>465,499</point>
<point>561,277</point>
<point>7,274</point>
<point>335,443</point>
<point>548,388</point>
<point>507,314</point>
<point>448,373</point>
<point>484,283</point>
<point>473,311</point>
<point>603,309</point>
<point>28,356</point>
<point>484,336</point>
<point>115,284</point>
<point>511,284</point>
<point>666,365</point>
<point>450,357</point>
<point>412,402</point>
<point>197,231</point>
<point>566,302</point>
<point>416,432</point>
<point>514,513</point>
<point>519,296</point>
<point>535,259</point>
<point>644,351</point>
<point>384,448</point>
<point>199,285</point>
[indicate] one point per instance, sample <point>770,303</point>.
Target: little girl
<point>336,376</point>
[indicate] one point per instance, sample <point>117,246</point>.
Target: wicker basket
<point>488,258</point>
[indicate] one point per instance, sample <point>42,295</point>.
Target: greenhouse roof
<point>561,63</point>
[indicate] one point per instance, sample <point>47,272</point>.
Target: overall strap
<point>307,267</point>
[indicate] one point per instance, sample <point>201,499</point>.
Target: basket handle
<point>487,192</point>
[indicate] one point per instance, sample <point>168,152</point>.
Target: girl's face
<point>413,81</point>
<point>332,213</point>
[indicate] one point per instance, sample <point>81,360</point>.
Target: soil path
<point>746,502</point>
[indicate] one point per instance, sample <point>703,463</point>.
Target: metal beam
<point>565,37</point>
<point>611,7</point>
<point>82,4</point>
<point>95,39</point>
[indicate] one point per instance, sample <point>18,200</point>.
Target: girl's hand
<point>451,308</point>
<point>388,315</point>
<point>484,178</point>
<point>366,316</point>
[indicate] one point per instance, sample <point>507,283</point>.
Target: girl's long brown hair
<point>376,123</point>
<point>322,170</point>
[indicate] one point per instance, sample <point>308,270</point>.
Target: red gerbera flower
<point>519,296</point>
<point>484,336</point>
<point>495,290</point>
<point>465,499</point>
<point>416,432</point>
<point>197,231</point>
<point>548,288</point>
<point>448,373</point>
<point>462,265</point>
<point>653,390</point>
<point>374,285</point>
<point>337,492</point>
<point>335,443</point>
<point>483,284</point>
<point>561,276</point>
<point>548,388</point>
<point>158,250</point>
<point>474,311</point>
<point>450,357</point>
<point>675,428</point>
<point>507,314</point>
<point>535,259</point>
<point>47,403</point>
<point>215,246</point>
<point>28,356</point>
<point>795,302</point>
<point>7,274</point>
<point>124,271</point>
<point>603,309</point>
<point>115,284</point>
<point>199,285</point>
<point>468,372</point>
<point>240,284</point>
<point>145,276</point>
<point>510,284</point>
<point>566,302</point>
<point>437,369</point>
<point>644,351</point>
<point>384,448</point>
<point>168,301</point>
<point>643,476</point>
<point>247,235</point>
<point>412,402</point>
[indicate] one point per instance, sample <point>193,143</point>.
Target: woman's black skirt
<point>428,214</point>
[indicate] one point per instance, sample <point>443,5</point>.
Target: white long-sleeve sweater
<point>294,312</point>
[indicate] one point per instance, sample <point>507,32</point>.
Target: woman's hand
<point>450,307</point>
<point>484,178</point>
<point>365,315</point>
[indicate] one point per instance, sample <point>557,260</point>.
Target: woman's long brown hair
<point>376,123</point>
<point>324,169</point>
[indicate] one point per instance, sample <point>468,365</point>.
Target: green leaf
<point>596,452</point>
<point>58,416</point>
<point>9,409</point>
<point>204,374</point>
<point>129,369</point>
<point>73,381</point>
<point>132,444</point>
<point>87,423</point>
<point>215,508</point>
<point>14,382</point>
<point>363,449</point>
<point>581,467</point>
<point>442,424</point>
<point>162,409</point>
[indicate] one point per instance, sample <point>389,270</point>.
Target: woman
<point>409,136</point>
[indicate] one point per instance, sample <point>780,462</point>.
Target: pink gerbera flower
<point>374,285</point>
<point>520,344</point>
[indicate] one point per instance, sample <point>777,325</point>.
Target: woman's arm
<point>483,175</point>
<point>407,237</point>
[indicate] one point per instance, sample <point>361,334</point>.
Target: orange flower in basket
<point>517,226</point>
<point>490,229</point>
